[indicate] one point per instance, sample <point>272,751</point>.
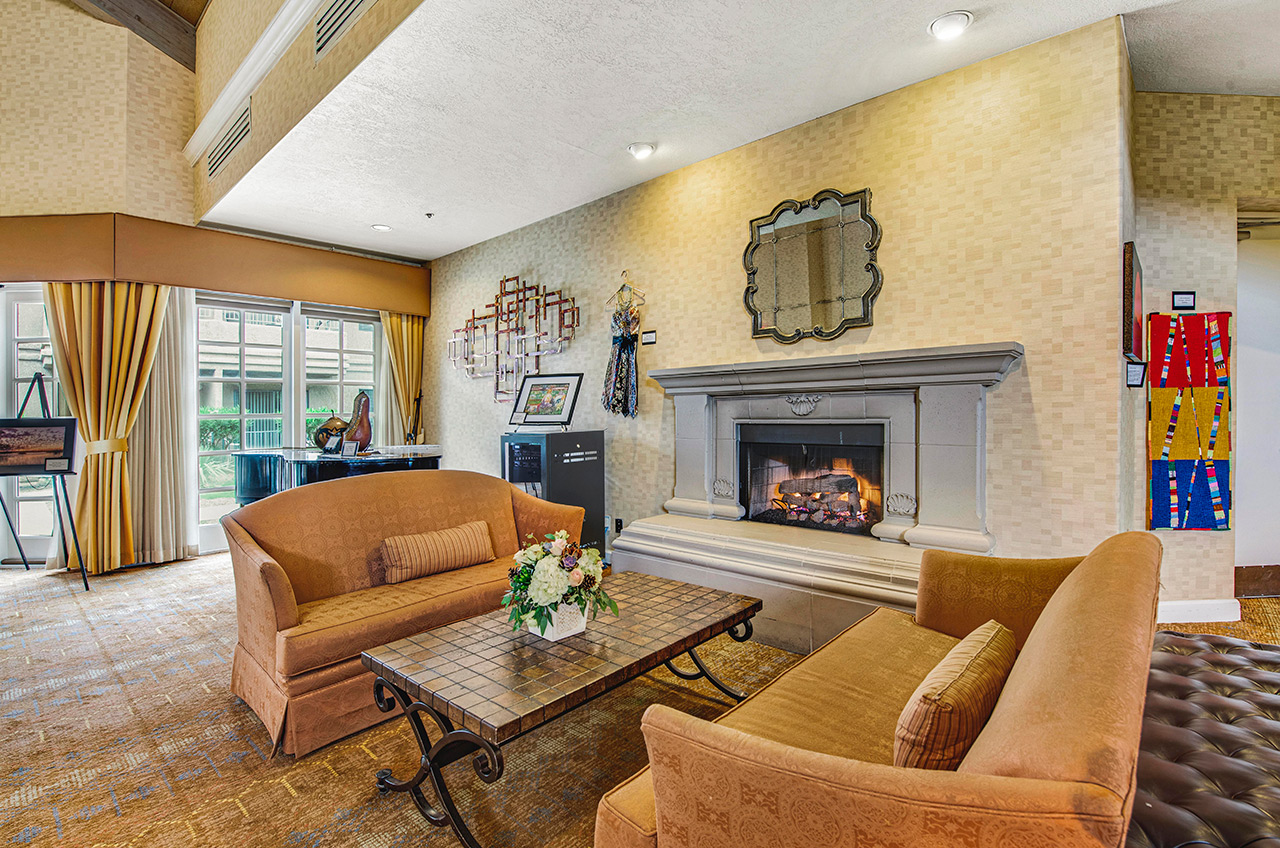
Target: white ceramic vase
<point>566,620</point>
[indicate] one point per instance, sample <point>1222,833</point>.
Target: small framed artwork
<point>36,446</point>
<point>649,337</point>
<point>1184,301</point>
<point>1135,374</point>
<point>350,448</point>
<point>1131,307</point>
<point>547,399</point>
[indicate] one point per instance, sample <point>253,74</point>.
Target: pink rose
<point>557,547</point>
<point>576,577</point>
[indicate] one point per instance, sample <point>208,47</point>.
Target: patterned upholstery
<point>953,702</point>
<point>311,589</point>
<point>1209,765</point>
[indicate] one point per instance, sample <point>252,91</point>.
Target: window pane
<point>357,368</point>
<point>33,358</point>
<point>263,398</point>
<point>31,321</point>
<point>322,332</point>
<point>219,398</point>
<point>218,325</point>
<point>219,434</point>
<point>322,397</point>
<point>35,518</point>
<point>214,505</point>
<point>263,433</point>
<point>322,365</point>
<point>35,487</point>
<point>263,363</point>
<point>349,397</point>
<point>358,335</point>
<point>265,328</point>
<point>216,360</point>
<point>217,472</point>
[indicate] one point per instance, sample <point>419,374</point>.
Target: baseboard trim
<point>1206,610</point>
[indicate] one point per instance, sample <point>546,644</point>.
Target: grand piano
<point>260,473</point>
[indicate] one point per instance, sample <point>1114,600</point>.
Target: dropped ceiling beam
<point>156,23</point>
<point>78,248</point>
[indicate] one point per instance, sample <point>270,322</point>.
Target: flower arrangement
<point>548,574</point>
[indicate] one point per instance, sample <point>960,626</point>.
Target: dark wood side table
<point>483,684</point>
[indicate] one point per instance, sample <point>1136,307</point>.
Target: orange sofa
<point>311,592</point>
<point>808,760</point>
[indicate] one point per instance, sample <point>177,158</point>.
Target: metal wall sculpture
<point>506,340</point>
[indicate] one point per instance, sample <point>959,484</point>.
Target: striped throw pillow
<point>408,557</point>
<point>953,702</point>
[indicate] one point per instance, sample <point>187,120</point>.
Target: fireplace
<point>818,476</point>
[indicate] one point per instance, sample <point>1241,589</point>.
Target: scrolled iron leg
<point>704,673</point>
<point>453,745</point>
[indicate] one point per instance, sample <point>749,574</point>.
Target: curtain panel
<point>404,339</point>
<point>161,457</point>
<point>105,336</point>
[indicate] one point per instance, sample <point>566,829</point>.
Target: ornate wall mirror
<point>811,267</point>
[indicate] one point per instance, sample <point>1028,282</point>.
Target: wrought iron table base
<point>453,745</point>
<point>704,672</point>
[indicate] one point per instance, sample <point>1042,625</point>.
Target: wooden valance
<point>112,246</point>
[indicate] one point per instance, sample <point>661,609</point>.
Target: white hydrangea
<point>590,564</point>
<point>549,582</point>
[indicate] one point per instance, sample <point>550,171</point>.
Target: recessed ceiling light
<point>641,149</point>
<point>951,25</point>
<point>382,228</point>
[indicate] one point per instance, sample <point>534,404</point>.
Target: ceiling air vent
<point>338,17</point>
<point>237,131</point>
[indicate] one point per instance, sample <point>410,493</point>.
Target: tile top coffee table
<point>483,684</point>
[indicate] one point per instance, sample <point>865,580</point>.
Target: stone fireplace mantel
<point>932,405</point>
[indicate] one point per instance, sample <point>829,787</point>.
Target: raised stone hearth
<point>931,404</point>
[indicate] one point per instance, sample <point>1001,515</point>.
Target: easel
<point>58,477</point>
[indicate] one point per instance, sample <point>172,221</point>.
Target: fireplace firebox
<point>819,476</point>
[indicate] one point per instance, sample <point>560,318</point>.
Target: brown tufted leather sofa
<point>311,592</point>
<point>1209,768</point>
<point>808,760</point>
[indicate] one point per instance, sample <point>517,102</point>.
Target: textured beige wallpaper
<point>292,88</point>
<point>999,189</point>
<point>92,119</point>
<point>1194,154</point>
<point>62,113</point>
<point>227,32</point>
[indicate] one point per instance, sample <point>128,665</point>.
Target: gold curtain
<point>404,334</point>
<point>105,337</point>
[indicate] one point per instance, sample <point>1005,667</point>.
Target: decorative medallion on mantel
<point>803,404</point>
<point>506,341</point>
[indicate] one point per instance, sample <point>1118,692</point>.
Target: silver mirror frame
<point>758,330</point>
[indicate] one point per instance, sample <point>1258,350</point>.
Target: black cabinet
<point>566,468</point>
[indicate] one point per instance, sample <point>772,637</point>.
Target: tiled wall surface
<point>93,119</point>
<point>999,189</point>
<point>1194,155</point>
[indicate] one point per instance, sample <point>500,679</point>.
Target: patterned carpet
<point>117,729</point>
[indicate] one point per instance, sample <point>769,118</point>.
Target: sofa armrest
<point>959,592</point>
<point>265,603</point>
<point>538,517</point>
<point>714,785</point>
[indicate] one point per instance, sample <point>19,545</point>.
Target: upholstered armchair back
<point>326,536</point>
<point>1071,709</point>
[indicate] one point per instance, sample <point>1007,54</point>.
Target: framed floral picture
<point>547,399</point>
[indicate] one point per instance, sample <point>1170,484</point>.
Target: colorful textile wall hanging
<point>1189,421</point>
